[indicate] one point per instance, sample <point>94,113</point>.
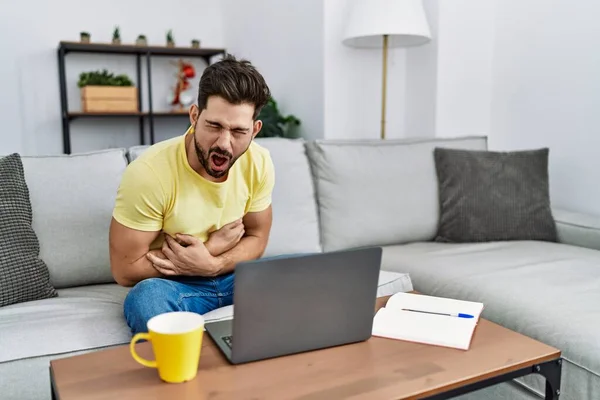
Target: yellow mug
<point>176,339</point>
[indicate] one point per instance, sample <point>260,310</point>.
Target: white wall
<point>283,39</point>
<point>449,79</point>
<point>29,35</point>
<point>524,73</point>
<point>464,67</point>
<point>546,91</point>
<point>335,90</point>
<point>353,83</point>
<point>421,76</point>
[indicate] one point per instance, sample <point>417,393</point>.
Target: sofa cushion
<point>135,151</point>
<point>78,319</point>
<point>295,226</point>
<point>548,291</point>
<point>490,196</point>
<point>72,197</point>
<point>23,275</point>
<point>577,229</point>
<point>28,378</point>
<point>378,192</point>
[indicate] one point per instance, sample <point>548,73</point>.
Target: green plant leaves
<point>103,78</point>
<point>275,124</point>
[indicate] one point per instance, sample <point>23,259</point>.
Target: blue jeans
<point>154,296</point>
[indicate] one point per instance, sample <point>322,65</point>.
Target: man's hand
<point>225,238</point>
<point>192,260</point>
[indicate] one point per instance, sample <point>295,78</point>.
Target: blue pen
<point>459,315</point>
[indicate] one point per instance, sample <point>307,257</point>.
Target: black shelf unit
<point>138,51</point>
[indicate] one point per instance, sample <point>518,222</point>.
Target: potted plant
<point>170,39</point>
<point>275,124</point>
<point>84,37</point>
<point>141,40</point>
<point>116,38</point>
<point>195,43</point>
<point>102,91</point>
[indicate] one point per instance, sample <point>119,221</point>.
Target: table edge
<point>553,354</point>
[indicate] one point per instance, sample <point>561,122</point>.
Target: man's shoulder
<point>161,151</point>
<point>156,164</point>
<point>258,155</point>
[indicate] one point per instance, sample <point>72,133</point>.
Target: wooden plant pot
<point>109,99</point>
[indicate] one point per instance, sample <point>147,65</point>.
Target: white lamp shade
<point>404,22</point>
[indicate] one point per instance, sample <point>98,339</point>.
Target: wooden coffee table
<point>376,369</point>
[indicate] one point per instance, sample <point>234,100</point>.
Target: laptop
<point>289,305</point>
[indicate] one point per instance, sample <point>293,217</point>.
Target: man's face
<point>223,132</point>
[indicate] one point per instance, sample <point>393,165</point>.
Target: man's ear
<point>194,114</point>
<point>257,127</point>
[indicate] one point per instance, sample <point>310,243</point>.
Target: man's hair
<point>236,81</point>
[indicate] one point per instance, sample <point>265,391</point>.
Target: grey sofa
<point>329,195</point>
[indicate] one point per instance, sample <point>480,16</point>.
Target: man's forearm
<point>248,248</point>
<point>138,270</point>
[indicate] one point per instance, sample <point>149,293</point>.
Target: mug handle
<point>136,338</point>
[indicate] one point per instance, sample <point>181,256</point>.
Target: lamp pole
<point>384,85</point>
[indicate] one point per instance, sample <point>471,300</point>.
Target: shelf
<point>107,48</point>
<point>170,113</point>
<point>140,53</point>
<point>74,115</point>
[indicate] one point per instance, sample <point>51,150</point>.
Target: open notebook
<point>394,322</point>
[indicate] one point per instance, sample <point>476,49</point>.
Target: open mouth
<point>219,162</point>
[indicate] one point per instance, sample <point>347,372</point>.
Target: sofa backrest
<point>72,198</point>
<point>329,195</point>
<point>375,193</point>
<point>295,217</point>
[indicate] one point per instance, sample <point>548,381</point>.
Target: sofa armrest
<point>577,229</point>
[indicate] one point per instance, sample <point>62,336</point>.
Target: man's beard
<point>204,158</point>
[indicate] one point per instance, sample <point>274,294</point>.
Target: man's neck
<point>192,158</point>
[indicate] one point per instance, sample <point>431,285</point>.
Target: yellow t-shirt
<point>159,191</point>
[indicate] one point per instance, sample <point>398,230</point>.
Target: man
<point>192,207</point>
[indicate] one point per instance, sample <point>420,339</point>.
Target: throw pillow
<point>494,196</point>
<point>23,275</point>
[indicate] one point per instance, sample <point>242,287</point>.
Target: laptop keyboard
<point>227,340</point>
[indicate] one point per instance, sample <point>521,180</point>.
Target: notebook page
<point>433,304</point>
<point>424,328</point>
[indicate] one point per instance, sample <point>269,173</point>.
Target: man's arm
<point>252,245</point>
<point>128,249</point>
<point>257,223</point>
<point>187,255</point>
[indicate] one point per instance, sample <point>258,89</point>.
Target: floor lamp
<point>386,23</point>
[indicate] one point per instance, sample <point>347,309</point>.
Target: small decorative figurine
<point>182,95</point>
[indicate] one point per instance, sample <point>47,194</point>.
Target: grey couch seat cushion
<point>80,318</point>
<point>548,291</point>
